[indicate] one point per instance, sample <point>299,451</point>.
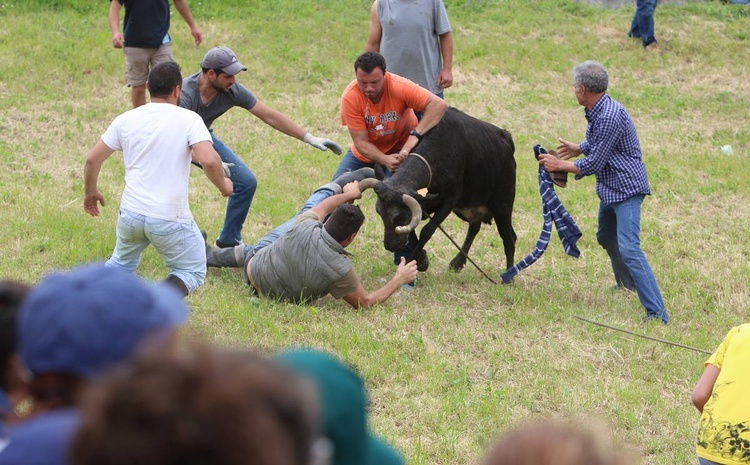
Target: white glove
<point>225,167</point>
<point>321,143</point>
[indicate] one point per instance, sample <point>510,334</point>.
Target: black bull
<point>467,167</point>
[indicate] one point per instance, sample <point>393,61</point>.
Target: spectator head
<point>74,325</point>
<point>343,404</point>
<point>550,443</point>
<point>163,79</point>
<point>11,296</point>
<point>344,222</point>
<point>197,406</point>
<point>368,61</point>
<point>591,75</point>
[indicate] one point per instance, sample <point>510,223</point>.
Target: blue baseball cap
<point>84,321</point>
<point>343,403</point>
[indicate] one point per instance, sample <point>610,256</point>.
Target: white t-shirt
<point>155,140</point>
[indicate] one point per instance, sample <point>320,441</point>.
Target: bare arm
<point>204,153</point>
<point>184,10</point>
<point>91,195</point>
<point>278,120</point>
<point>350,192</point>
<point>376,30</point>
<point>705,387</point>
<point>445,77</point>
<point>432,114</point>
<point>552,163</point>
<point>406,273</point>
<point>114,23</point>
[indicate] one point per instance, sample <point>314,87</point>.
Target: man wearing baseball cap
<point>72,328</point>
<point>210,93</point>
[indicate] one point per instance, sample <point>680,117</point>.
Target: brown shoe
<point>653,47</point>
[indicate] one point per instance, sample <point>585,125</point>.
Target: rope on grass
<point>663,341</point>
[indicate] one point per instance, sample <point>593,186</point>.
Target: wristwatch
<point>416,134</point>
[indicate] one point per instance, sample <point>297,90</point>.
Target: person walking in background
<point>156,141</point>
<point>415,39</point>
<point>613,155</point>
<point>721,396</point>
<point>642,26</point>
<point>211,92</point>
<point>146,40</point>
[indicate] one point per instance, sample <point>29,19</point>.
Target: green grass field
<point>459,359</point>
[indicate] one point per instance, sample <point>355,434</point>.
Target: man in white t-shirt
<point>156,140</point>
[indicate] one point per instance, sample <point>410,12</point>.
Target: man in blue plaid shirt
<point>613,154</point>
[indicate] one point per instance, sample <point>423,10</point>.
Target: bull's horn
<point>416,215</point>
<point>367,184</point>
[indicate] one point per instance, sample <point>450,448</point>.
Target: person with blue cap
<point>343,403</point>
<point>71,328</point>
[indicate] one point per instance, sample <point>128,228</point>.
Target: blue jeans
<point>702,461</point>
<point>239,202</point>
<point>317,197</point>
<point>643,21</point>
<point>180,244</point>
<point>351,163</point>
<point>619,233</point>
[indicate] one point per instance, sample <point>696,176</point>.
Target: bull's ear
<point>379,175</point>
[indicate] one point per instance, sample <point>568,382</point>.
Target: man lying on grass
<point>305,258</point>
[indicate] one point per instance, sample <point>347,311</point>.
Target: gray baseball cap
<point>222,58</point>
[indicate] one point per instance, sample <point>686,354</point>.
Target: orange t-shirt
<point>387,122</point>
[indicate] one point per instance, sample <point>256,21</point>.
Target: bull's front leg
<point>425,234</point>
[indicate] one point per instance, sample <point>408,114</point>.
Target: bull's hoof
<point>422,261</point>
<point>458,262</point>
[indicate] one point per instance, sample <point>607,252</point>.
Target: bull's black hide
<point>468,168</point>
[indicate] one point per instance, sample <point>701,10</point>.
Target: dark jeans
<point>239,202</point>
<point>619,233</point>
<point>643,21</point>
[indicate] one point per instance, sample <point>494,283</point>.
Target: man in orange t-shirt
<point>378,108</point>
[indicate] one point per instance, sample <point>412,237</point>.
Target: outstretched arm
<point>91,196</point>
<point>184,10</point>
<point>283,123</point>
<point>376,30</point>
<point>406,273</point>
<point>349,193</point>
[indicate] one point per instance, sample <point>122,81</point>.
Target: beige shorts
<point>139,61</point>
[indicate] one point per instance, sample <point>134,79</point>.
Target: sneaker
<point>356,175</point>
<point>653,317</point>
<point>226,245</point>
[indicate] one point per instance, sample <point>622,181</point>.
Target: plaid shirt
<point>613,153</point>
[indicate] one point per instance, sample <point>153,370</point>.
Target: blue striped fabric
<point>553,212</point>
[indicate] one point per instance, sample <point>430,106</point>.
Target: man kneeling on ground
<point>305,258</point>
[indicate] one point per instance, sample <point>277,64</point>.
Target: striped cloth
<point>553,212</point>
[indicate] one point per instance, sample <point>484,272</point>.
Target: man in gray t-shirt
<point>210,93</point>
<point>413,36</point>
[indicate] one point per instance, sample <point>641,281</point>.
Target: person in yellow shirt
<point>721,395</point>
